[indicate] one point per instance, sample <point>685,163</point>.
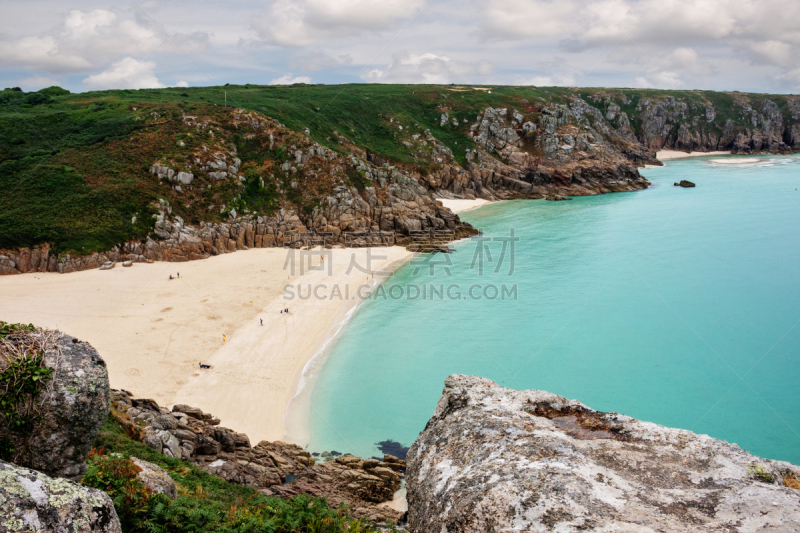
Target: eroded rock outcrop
<point>493,459</point>
<point>69,410</point>
<point>31,501</point>
<point>275,468</point>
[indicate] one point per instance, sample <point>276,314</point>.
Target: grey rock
<point>156,478</point>
<point>493,459</point>
<point>171,444</point>
<point>75,403</point>
<point>31,501</point>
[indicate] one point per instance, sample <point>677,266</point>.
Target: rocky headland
<point>495,459</point>
<point>344,194</point>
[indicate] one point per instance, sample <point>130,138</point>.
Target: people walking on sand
<point>262,321</point>
<point>179,274</point>
<point>170,277</point>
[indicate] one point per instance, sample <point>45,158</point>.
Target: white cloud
<point>34,83</point>
<point>763,30</point>
<point>429,68</point>
<point>774,52</point>
<point>41,53</point>
<point>289,80</point>
<point>302,22</point>
<point>86,40</point>
<point>558,80</point>
<point>319,61</point>
<point>182,84</point>
<point>127,73</point>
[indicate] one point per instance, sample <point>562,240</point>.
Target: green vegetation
<point>205,503</point>
<point>23,375</point>
<point>74,168</point>
<point>760,473</point>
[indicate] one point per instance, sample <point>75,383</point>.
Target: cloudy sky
<point>747,45</point>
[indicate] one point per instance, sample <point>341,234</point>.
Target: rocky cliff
<point>493,459</point>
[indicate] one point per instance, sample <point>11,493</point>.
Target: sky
<point>745,45</point>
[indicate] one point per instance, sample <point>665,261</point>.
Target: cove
<point>675,306</point>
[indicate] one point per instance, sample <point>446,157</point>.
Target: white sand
<point>153,332</point>
<point>666,155</point>
<point>459,206</point>
<point>737,161</point>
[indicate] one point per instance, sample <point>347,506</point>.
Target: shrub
<point>116,476</point>
<point>22,377</point>
<point>37,99</point>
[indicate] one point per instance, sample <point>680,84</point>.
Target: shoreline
<point>297,414</point>
<point>152,331</point>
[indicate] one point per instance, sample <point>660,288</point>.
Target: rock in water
<point>31,501</point>
<point>74,404</point>
<point>685,184</point>
<point>493,459</point>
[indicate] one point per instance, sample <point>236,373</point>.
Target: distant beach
<point>666,155</point>
<point>459,206</point>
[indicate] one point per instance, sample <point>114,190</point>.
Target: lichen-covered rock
<point>33,502</point>
<point>74,405</point>
<point>493,459</point>
<point>156,478</point>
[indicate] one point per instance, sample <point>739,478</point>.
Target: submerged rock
<point>493,459</point>
<point>31,501</point>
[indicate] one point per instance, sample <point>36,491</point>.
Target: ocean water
<point>676,306</point>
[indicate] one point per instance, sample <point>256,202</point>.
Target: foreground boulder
<point>493,459</point>
<point>69,409</point>
<point>31,501</point>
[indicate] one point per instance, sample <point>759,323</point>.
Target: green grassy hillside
<point>74,167</point>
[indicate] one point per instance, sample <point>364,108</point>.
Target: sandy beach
<point>459,206</point>
<point>666,155</point>
<point>737,161</point>
<point>153,332</point>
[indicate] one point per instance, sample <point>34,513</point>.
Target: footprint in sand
<point>166,309</point>
<point>133,372</point>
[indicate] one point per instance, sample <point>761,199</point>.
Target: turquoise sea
<point>676,306</point>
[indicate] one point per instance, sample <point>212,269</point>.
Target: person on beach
<point>262,321</point>
<point>224,338</point>
<point>179,274</point>
<point>170,277</point>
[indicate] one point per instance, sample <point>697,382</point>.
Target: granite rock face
<point>275,468</point>
<point>31,501</point>
<point>493,459</point>
<point>74,404</point>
